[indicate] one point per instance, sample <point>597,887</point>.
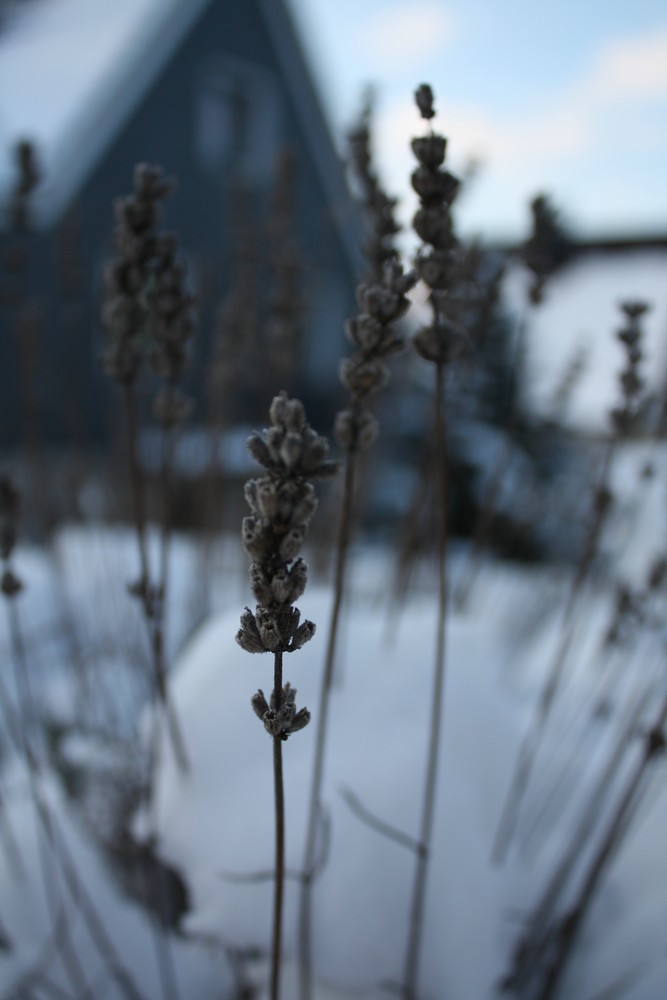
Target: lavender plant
<point>379,208</point>
<point>542,253</point>
<point>26,311</point>
<point>611,803</point>
<point>623,418</point>
<point>282,504</point>
<point>437,342</point>
<point>284,325</point>
<point>149,318</point>
<point>67,894</point>
<point>382,300</point>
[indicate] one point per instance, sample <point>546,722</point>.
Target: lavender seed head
<point>282,504</point>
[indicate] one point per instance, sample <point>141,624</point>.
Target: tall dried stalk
<point>19,726</point>
<point>623,419</point>
<point>382,302</point>
<point>279,798</point>
<point>545,930</point>
<point>438,342</point>
<point>632,617</point>
<point>616,831</point>
<point>284,328</point>
<point>415,929</point>
<point>26,315</point>
<point>315,804</point>
<point>545,250</point>
<point>149,319</point>
<point>282,504</point>
<point>233,361</point>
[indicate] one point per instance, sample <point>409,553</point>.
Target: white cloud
<point>576,122</point>
<point>502,144</point>
<point>407,33</point>
<point>631,68</point>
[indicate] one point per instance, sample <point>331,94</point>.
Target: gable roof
<point>72,72</point>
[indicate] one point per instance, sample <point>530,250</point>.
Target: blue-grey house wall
<point>68,389</point>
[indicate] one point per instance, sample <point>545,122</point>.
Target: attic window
<point>236,120</point>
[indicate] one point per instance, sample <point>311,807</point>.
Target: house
<point>213,91</point>
<point>580,317</point>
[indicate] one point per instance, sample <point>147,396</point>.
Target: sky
<point>562,96</point>
<point>559,96</point>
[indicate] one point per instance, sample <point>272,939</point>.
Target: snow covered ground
<point>216,823</point>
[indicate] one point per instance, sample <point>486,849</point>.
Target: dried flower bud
<point>315,453</point>
<point>290,450</point>
<point>300,721</point>
<point>248,636</point>
<point>424,100</point>
<point>257,447</point>
<point>284,720</point>
<point>10,583</point>
<point>282,504</point>
<point>363,378</point>
<point>292,542</point>
<point>434,186</point>
<point>430,150</point>
<point>356,431</point>
<point>302,635</point>
<point>634,309</point>
<point>295,415</point>
<point>262,584</point>
<point>260,706</point>
<point>364,331</point>
<point>268,629</point>
<point>287,585</point>
<point>254,537</point>
<point>278,410</point>
<point>430,226</point>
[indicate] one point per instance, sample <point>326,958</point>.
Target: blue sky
<point>563,96</point>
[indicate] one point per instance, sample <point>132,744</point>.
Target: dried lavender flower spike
<point>282,504</point>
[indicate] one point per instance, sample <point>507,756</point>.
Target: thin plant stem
<point>617,828</point>
<point>533,737</point>
<point>136,480</point>
<point>292,453</point>
<point>11,846</point>
<point>315,803</point>
<point>411,968</point>
<point>153,616</point>
<point>162,711</point>
<point>58,846</point>
<point>409,543</point>
<point>357,807</point>
<point>609,687</point>
<point>168,448</point>
<point>489,505</point>
<point>213,501</point>
<point>28,716</point>
<point>279,791</point>
<point>536,941</point>
<point>169,444</point>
